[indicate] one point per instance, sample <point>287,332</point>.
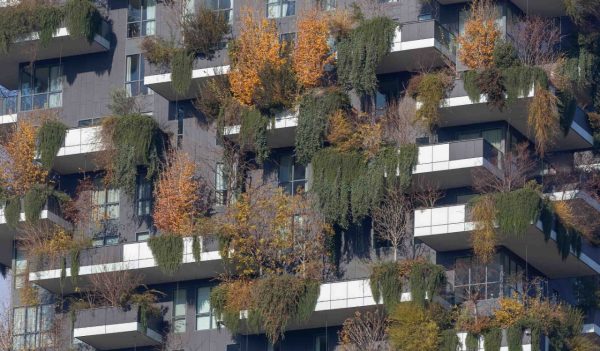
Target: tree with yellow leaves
<point>177,196</point>
<point>480,36</point>
<point>257,47</point>
<point>18,169</point>
<point>312,52</point>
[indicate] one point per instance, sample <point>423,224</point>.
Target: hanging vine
<point>50,136</point>
<point>167,250</point>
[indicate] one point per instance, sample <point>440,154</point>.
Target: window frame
<point>179,318</point>
<point>280,5</point>
<point>212,323</point>
<point>135,87</point>
<point>30,98</point>
<point>42,315</point>
<point>292,176</point>
<point>143,21</point>
<point>220,184</point>
<point>144,200</point>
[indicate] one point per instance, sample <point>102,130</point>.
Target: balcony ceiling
<point>548,8</point>
<point>119,339</point>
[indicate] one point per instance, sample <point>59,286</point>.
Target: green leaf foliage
<point>51,136</point>
<point>360,53</point>
<point>472,342</point>
<point>426,281</point>
<point>34,202</point>
<point>386,283</point>
<point>349,186</point>
<point>12,211</point>
<point>75,253</point>
<point>82,19</point>
<point>517,210</point>
<point>432,89</point>
<point>514,336</point>
<point>277,89</point>
<point>449,341</point>
<point>314,111</point>
<point>203,31</point>
<point>505,55</point>
<point>492,339</point>
<point>181,71</point>
<point>196,248</point>
<point>138,141</point>
<point>253,134</point>
<point>167,251</point>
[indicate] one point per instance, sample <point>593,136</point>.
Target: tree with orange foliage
<point>479,39</point>
<point>18,169</point>
<point>177,196</point>
<point>312,52</point>
<point>256,47</point>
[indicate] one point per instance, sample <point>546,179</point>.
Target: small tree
<point>536,40</point>
<point>112,288</point>
<point>479,39</point>
<point>6,328</point>
<point>365,332</point>
<point>412,329</point>
<point>312,51</point>
<point>392,220</point>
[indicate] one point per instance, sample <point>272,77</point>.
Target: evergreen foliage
<point>167,251</point>
<point>34,202</point>
<point>82,19</point>
<point>449,341</point>
<point>181,71</point>
<point>505,55</point>
<point>492,339</point>
<point>12,211</point>
<point>203,31</point>
<point>472,342</point>
<point>138,140</point>
<point>426,281</point>
<point>514,336</point>
<point>517,210</point>
<point>386,283</point>
<point>51,136</point>
<point>361,52</point>
<point>253,133</point>
<point>314,111</point>
<point>75,253</point>
<point>431,91</point>
<point>277,89</point>
<point>348,186</point>
<point>196,248</point>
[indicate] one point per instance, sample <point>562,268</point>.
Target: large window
<point>223,7</point>
<point>280,8</point>
<point>41,87</point>
<point>143,196</point>
<point>141,17</point>
<point>221,184</point>
<point>180,305</point>
<point>105,202</point>
<point>291,175</point>
<point>204,317</point>
<point>134,76</point>
<point>31,325</point>
<point>476,281</point>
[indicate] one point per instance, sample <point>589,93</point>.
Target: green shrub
<point>181,71</point>
<point>34,202</point>
<point>360,53</point>
<point>75,253</point>
<point>82,19</point>
<point>514,337</point>
<point>314,111</point>
<point>196,248</point>
<point>431,91</point>
<point>449,341</point>
<point>12,211</point>
<point>492,339</point>
<point>426,281</point>
<point>472,342</point>
<point>491,84</point>
<point>157,51</point>
<point>51,136</point>
<point>505,55</point>
<point>167,251</point>
<point>253,133</point>
<point>517,210</point>
<point>277,89</point>
<point>386,282</point>
<point>203,31</point>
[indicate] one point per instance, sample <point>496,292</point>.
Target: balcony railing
<point>8,105</point>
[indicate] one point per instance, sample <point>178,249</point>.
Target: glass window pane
<point>97,242</point>
<point>299,172</point>
<point>203,302</point>
<point>224,4</point>
<point>180,302</point>
<point>133,69</point>
<point>112,195</point>
<point>133,30</point>
<point>26,103</point>
<point>299,187</point>
<point>203,322</point>
<point>462,271</point>
<point>47,314</point>
<point>273,10</point>
<point>111,240</point>
<point>142,236</point>
<point>55,100</point>
<point>19,320</point>
<point>31,325</point>
<point>285,169</point>
<point>40,101</point>
<point>55,79</point>
<point>289,8</point>
<point>477,274</point>
<point>135,11</point>
<point>150,11</point>
<point>112,211</point>
<point>149,28</point>
<point>41,80</point>
<point>179,326</point>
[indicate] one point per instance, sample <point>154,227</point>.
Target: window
<point>224,7</point>
<point>30,324</point>
<point>292,176</point>
<point>221,184</point>
<point>141,17</point>
<point>105,202</point>
<point>90,122</point>
<point>41,87</point>
<point>280,8</point>
<point>288,38</point>
<point>143,236</point>
<point>180,304</point>
<point>180,117</point>
<point>328,5</point>
<point>204,317</point>
<point>143,195</point>
<point>321,343</point>
<point>20,270</point>
<point>473,280</point>
<point>134,78</point>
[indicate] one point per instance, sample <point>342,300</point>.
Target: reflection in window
<point>41,87</point>
<point>291,175</point>
<point>280,8</point>
<point>180,304</point>
<point>141,17</point>
<point>328,5</point>
<point>221,184</point>
<point>143,196</point>
<point>204,317</point>
<point>31,325</point>
<point>134,77</point>
<point>105,204</point>
<point>223,7</point>
<point>474,281</point>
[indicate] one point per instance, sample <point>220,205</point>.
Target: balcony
<point>50,214</point>
<point>79,151</point>
<point>449,229</point>
<point>449,165</point>
<point>62,45</point>
<point>161,83</point>
<point>112,328</point>
<point>136,258</point>
<point>280,133</point>
<point>458,109</point>
<point>419,45</point>
<point>546,8</point>
<point>526,343</point>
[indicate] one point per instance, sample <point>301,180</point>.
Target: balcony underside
<point>162,83</point>
<point>456,174</point>
<point>77,162</point>
<point>532,247</point>
<point>413,56</point>
<point>118,336</point>
<point>27,50</point>
<point>459,111</point>
<point>210,266</point>
<point>280,134</point>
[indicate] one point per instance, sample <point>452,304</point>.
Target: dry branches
<point>480,36</point>
<point>536,40</point>
<point>365,332</point>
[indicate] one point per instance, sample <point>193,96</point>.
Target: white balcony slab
<point>162,83</point>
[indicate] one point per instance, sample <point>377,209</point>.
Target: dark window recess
<point>291,175</point>
<point>143,196</point>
